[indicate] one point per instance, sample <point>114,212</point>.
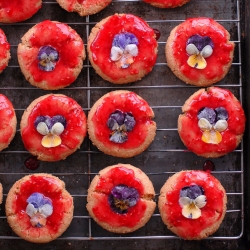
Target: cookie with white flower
<point>166,3</point>
<point>39,208</point>
<point>120,124</point>
<point>122,48</point>
<point>4,51</point>
<point>18,10</point>
<point>84,8</point>
<point>192,204</point>
<point>53,127</point>
<point>212,123</point>
<point>51,55</point>
<point>120,198</point>
<point>199,51</point>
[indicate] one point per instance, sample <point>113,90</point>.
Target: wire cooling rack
<point>165,94</point>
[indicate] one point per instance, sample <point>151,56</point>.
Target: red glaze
<point>71,136</point>
<point>50,189</point>
<point>4,51</point>
<point>166,3</point>
<point>18,10</point>
<point>66,41</point>
<point>221,52</point>
<point>7,113</point>
<point>210,213</point>
<point>126,102</point>
<point>103,212</point>
<point>101,46</point>
<point>213,98</point>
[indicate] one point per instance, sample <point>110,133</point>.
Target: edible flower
<point>120,123</point>
<point>47,58</point>
<point>199,48</point>
<point>212,122</point>
<point>191,199</point>
<point>124,49</point>
<point>38,209</point>
<point>51,129</point>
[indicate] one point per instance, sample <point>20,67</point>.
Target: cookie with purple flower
<point>120,124</point>
<point>51,55</point>
<point>120,198</point>
<point>199,51</point>
<point>192,204</point>
<point>122,48</point>
<point>53,127</point>
<point>39,208</point>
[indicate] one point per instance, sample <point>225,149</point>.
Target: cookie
<point>120,198</point>
<point>8,122</point>
<point>53,127</point>
<point>84,8</point>
<point>122,48</point>
<point>199,52</point>
<point>166,3</point>
<point>51,55</point>
<point>192,204</point>
<point>1,193</point>
<point>212,123</point>
<point>120,124</point>
<point>18,10</point>
<point>39,208</point>
<point>4,51</point>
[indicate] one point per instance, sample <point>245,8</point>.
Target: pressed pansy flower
<point>122,198</point>
<point>47,57</point>
<point>124,49</point>
<point>191,199</point>
<point>212,122</point>
<point>199,48</point>
<point>120,123</point>
<point>38,209</point>
<point>51,129</point>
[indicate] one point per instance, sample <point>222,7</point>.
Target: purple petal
<point>222,114</point>
<point>200,41</point>
<point>208,114</point>
<point>129,121</point>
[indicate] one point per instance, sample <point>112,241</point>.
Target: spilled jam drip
<point>38,209</point>
<point>199,48</point>
<point>212,122</point>
<point>208,166</point>
<point>31,163</point>
<point>122,198</point>
<point>47,57</point>
<point>124,49</point>
<point>192,198</point>
<point>51,129</point>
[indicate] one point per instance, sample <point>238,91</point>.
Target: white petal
<point>200,201</point>
<point>132,49</point>
<point>207,51</point>
<point>204,124</point>
<point>42,128</point>
<point>183,201</point>
<point>191,211</point>
<point>192,50</point>
<point>46,210</point>
<point>116,53</point>
<point>221,125</point>
<point>57,128</point>
<point>30,210</point>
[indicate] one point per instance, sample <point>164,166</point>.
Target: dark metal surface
<point>166,94</point>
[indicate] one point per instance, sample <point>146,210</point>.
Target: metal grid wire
<point>88,228</point>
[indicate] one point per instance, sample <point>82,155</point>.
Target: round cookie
<point>51,55</point>
<point>1,193</point>
<point>4,51</point>
<point>84,8</point>
<point>120,124</point>
<point>7,123</point>
<point>39,208</point>
<point>53,127</point>
<point>199,52</point>
<point>122,48</point>
<point>120,198</point>
<point>18,10</point>
<point>192,204</point>
<point>212,123</point>
<point>166,3</point>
